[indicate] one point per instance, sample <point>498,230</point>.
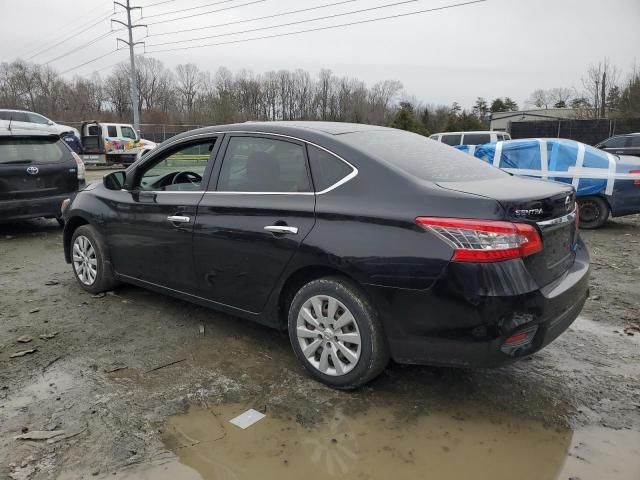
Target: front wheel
<point>89,260</point>
<point>594,212</point>
<point>336,334</point>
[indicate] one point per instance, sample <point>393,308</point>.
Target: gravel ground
<point>111,371</point>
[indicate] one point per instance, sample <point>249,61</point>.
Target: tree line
<point>187,95</point>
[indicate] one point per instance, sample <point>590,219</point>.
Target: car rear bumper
<point>446,326</point>
<point>23,209</point>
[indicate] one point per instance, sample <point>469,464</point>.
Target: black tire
<point>373,350</point>
<point>594,212</point>
<point>104,279</point>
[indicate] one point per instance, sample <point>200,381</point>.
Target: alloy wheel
<point>589,211</point>
<point>85,262</point>
<point>328,335</point>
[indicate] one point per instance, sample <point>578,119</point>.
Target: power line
<point>205,13</point>
<point>69,37</point>
<point>82,24</point>
<point>281,14</point>
<point>297,22</point>
<point>186,9</point>
<point>318,29</point>
<point>88,62</point>
<point>85,45</point>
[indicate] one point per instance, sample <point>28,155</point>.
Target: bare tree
<point>597,83</point>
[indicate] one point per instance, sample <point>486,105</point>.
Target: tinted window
<point>635,141</point>
<point>35,118</point>
<point>476,138</point>
<point>127,132</point>
<point>5,115</point>
<point>263,165</point>
<point>32,150</point>
<point>112,131</point>
<point>326,169</point>
<point>451,139</point>
<point>19,117</point>
<point>94,130</point>
<point>507,136</point>
<point>615,142</point>
<point>499,137</point>
<point>417,156</point>
<point>178,170</point>
<point>434,137</point>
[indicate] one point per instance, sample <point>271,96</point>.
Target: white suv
<point>470,138</point>
<point>24,120</point>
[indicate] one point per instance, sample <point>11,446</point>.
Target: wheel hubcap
<point>328,335</point>
<point>85,263</point>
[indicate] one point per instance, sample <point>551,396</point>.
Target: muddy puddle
<point>378,444</point>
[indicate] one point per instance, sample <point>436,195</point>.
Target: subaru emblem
<point>32,170</point>
<point>567,203</point>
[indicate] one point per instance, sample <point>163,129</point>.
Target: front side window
<point>35,118</point>
<point>181,169</point>
<point>127,132</point>
<point>326,169</point>
<point>253,164</point>
<point>635,141</point>
<point>451,139</point>
<point>112,131</point>
<point>615,142</point>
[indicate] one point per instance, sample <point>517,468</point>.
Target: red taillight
<point>635,182</point>
<point>80,164</point>
<point>484,240</point>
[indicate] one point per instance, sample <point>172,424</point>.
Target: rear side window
<point>112,131</point>
<point>326,169</point>
<point>253,164</point>
<point>476,138</point>
<point>635,141</point>
<point>616,142</point>
<point>417,156</point>
<point>19,117</point>
<point>451,139</point>
<point>499,137</point>
<point>5,115</point>
<point>32,150</point>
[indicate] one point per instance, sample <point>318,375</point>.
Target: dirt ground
<point>136,385</point>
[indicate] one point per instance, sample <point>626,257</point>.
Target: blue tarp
<point>591,171</point>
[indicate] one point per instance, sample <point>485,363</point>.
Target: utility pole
<point>132,70</point>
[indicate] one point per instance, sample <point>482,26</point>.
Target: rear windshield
<point>421,157</point>
<point>32,150</point>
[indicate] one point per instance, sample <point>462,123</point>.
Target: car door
<point>20,121</point>
<point>150,231</point>
<point>256,213</point>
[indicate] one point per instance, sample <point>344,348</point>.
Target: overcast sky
<point>489,49</point>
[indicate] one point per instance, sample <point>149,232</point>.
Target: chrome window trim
<point>340,182</point>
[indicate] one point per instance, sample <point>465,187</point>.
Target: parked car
<point>470,138</point>
<point>37,172</point>
<point>108,143</point>
<point>606,184</point>
<point>628,144</point>
<point>30,121</point>
<point>364,242</point>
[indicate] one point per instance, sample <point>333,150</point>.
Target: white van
<point>470,138</point>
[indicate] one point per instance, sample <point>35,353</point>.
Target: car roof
<point>19,132</point>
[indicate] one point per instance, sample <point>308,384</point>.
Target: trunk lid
<point>549,206</point>
<point>35,167</point>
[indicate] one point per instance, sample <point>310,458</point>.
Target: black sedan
<point>366,243</point>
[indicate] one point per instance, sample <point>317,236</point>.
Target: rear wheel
<point>336,334</point>
<point>89,260</point>
<point>594,212</point>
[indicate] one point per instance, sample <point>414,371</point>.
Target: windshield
<point>421,157</point>
<point>31,150</point>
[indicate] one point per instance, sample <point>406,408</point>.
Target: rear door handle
<point>281,229</point>
<point>178,219</point>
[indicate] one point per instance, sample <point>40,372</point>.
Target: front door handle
<point>178,219</point>
<point>281,229</point>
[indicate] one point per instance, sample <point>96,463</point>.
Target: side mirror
<point>50,123</point>
<point>114,180</point>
